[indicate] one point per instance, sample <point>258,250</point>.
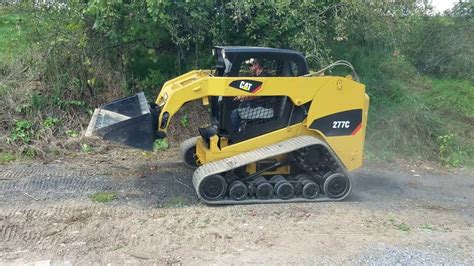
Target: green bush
<point>442,46</point>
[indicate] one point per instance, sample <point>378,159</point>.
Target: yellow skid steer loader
<point>278,132</point>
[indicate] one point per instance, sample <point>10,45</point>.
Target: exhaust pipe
<point>129,121</point>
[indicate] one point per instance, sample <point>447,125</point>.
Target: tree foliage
<point>153,40</point>
<point>92,51</point>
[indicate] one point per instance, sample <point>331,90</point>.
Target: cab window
<point>271,67</point>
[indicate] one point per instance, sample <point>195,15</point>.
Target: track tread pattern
<point>242,159</point>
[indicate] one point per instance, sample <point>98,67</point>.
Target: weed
<point>50,122</point>
<point>161,144</point>
<point>450,153</point>
<point>103,197</point>
<point>22,132</point>
<point>176,202</point>
<point>428,226</point>
<point>6,158</point>
<point>185,120</point>
<point>29,152</point>
<point>72,133</point>
<point>86,147</point>
<point>68,103</point>
<point>402,227</point>
<point>38,101</point>
<point>391,219</point>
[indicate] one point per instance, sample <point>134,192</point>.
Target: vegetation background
<point>59,61</point>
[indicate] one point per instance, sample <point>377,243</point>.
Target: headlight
<point>163,99</point>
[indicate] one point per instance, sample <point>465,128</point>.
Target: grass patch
<point>452,96</point>
<point>176,202</point>
<point>428,227</point>
<point>103,197</point>
<point>416,116</point>
<point>402,227</point>
<point>15,27</point>
<point>454,102</point>
<point>6,158</point>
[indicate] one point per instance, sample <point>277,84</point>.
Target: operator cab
<point>263,114</point>
<point>277,62</point>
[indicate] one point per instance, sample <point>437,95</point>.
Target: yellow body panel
<point>328,95</point>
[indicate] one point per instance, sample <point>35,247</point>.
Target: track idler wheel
<point>238,190</point>
<point>337,186</point>
<point>264,189</point>
<point>187,150</point>
<point>310,189</point>
<point>213,187</point>
<point>283,189</point>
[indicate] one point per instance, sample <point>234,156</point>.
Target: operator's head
<point>254,65</point>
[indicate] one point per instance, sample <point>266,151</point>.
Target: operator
<point>249,108</point>
<point>258,71</point>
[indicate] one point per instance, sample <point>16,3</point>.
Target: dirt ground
<point>409,214</point>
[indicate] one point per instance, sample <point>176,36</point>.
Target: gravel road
<point>394,215</point>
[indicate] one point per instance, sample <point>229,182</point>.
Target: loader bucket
<point>127,121</point>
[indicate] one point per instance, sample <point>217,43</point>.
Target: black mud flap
<point>128,121</point>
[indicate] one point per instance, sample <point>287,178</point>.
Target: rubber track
<point>234,162</point>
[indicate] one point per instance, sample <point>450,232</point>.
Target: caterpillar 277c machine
<point>295,137</point>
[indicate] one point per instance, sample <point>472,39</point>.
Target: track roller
<point>337,186</point>
<point>264,188</point>
<point>310,189</point>
<point>213,187</point>
<point>283,188</point>
<point>238,190</point>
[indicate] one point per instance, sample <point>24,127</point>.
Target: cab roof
<point>254,50</point>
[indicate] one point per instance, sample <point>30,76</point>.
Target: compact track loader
<point>294,137</point>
